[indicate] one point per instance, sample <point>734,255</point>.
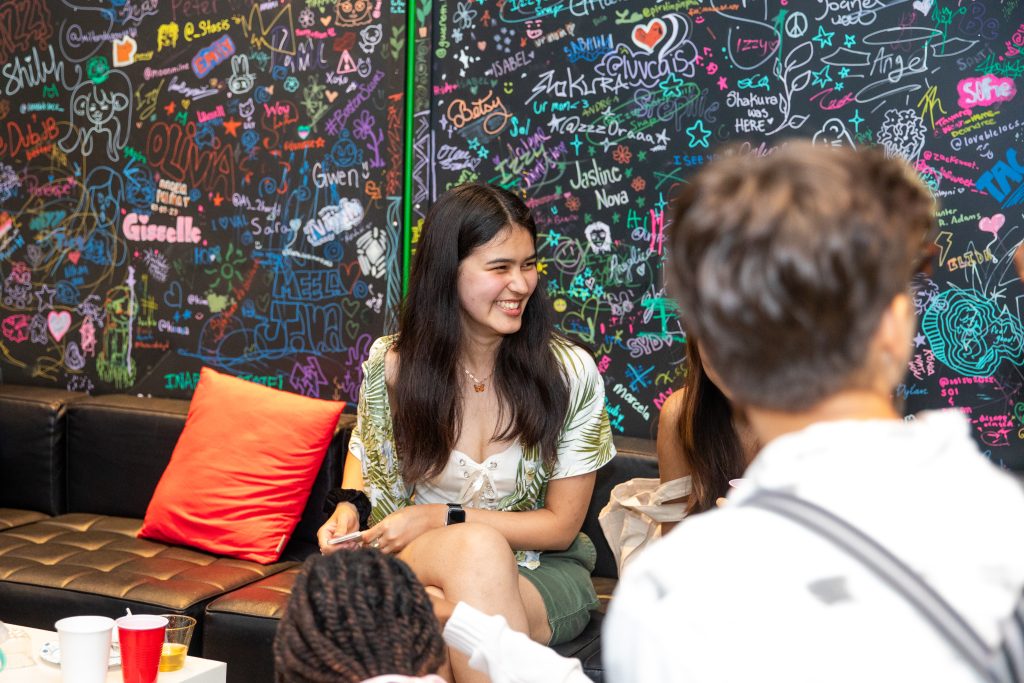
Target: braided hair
<point>353,615</point>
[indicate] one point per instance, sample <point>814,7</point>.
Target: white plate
<point>50,652</point>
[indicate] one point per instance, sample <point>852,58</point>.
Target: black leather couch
<point>76,475</point>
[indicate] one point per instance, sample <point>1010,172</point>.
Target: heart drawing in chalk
<point>59,322</point>
<point>992,224</point>
<point>923,6</point>
<point>647,36</point>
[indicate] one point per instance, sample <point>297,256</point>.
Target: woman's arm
<point>345,518</point>
<point>507,656</point>
<point>672,460</point>
<point>552,527</point>
<point>352,477</point>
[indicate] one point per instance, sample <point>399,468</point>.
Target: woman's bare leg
<point>473,563</point>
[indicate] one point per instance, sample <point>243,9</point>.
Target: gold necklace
<point>479,385</point>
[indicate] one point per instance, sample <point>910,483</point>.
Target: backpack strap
<point>1005,664</point>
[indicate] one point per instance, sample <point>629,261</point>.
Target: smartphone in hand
<point>354,536</point>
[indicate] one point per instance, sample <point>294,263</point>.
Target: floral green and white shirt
<point>514,480</point>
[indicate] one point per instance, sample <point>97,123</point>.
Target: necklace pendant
<point>479,388</point>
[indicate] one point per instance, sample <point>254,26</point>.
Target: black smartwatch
<point>456,515</point>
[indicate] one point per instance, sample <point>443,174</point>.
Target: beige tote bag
<point>633,515</point>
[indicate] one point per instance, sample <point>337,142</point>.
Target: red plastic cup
<point>142,638</point>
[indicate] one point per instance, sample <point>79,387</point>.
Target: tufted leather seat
<point>95,563</point>
<point>94,462</point>
<point>241,625</point>
<point>266,599</point>
<point>12,517</point>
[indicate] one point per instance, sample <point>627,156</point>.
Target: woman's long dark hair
<point>532,390</point>
<point>708,433</point>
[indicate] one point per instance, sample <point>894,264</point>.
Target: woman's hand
<point>345,520</point>
<point>403,526</point>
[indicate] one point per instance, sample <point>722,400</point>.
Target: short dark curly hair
<point>784,264</point>
<point>353,615</point>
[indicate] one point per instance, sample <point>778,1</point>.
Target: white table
<point>196,669</point>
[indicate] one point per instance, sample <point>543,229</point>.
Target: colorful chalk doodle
<point>971,334</point>
<point>219,182</point>
<point>197,182</point>
<point>597,112</point>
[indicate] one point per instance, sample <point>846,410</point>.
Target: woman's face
<point>495,282</point>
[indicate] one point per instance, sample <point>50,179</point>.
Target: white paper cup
<point>84,648</point>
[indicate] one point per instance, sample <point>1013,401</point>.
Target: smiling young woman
<point>479,430</point>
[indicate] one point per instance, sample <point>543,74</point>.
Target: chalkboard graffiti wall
<point>217,182</point>
<point>597,111</point>
<point>198,182</point>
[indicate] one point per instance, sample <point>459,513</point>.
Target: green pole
<point>410,107</point>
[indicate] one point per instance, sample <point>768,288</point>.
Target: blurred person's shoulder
<point>705,550</point>
<point>958,462</point>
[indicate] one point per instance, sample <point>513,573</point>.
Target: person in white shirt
<point>504,654</point>
<point>793,273</point>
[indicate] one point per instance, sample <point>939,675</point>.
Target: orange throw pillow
<point>241,472</point>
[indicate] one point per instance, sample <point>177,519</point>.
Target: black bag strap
<point>1003,665</point>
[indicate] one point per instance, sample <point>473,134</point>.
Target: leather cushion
<point>604,587</point>
<point>100,555</point>
<point>32,457</point>
<point>11,517</point>
<point>241,625</point>
<point>267,598</point>
<point>118,446</point>
<point>245,642</point>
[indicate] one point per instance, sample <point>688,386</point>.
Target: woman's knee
<point>479,545</point>
<point>453,555</point>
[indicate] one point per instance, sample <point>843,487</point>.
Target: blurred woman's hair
<point>707,432</point>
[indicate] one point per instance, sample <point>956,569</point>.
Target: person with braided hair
<point>363,616</point>
<point>356,616</point>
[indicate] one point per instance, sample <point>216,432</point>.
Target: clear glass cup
<point>16,649</point>
<point>176,641</point>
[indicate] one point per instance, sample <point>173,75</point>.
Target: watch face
<point>456,515</point>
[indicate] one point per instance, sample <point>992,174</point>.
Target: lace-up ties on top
<point>480,484</point>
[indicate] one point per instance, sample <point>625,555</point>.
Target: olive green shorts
<point>563,581</point>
